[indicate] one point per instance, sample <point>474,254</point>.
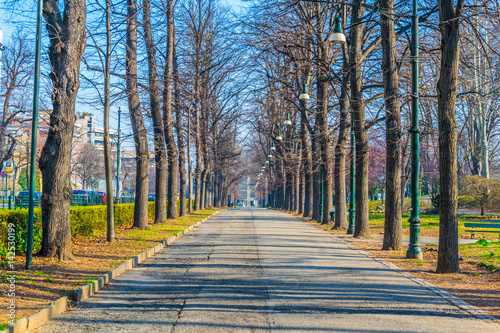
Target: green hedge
<point>84,221</point>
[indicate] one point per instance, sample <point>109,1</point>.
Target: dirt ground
<point>50,278</point>
<point>475,284</point>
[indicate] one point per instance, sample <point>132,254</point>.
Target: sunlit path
<point>258,270</point>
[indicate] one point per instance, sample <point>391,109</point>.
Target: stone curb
<point>60,305</point>
<point>462,305</point>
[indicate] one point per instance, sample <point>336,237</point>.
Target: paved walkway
<point>258,270</point>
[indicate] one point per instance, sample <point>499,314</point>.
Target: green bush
<point>20,220</point>
<point>84,221</point>
<point>468,201</point>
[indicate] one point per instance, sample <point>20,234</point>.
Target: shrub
<point>84,221</point>
<point>467,201</point>
<point>485,190</point>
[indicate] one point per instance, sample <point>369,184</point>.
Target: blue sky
<point>7,28</point>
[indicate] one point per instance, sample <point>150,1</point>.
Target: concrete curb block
<point>462,305</point>
<point>60,305</point>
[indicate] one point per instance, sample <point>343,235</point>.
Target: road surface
<point>259,270</point>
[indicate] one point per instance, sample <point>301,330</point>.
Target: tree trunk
<point>167,116</point>
<point>180,140</point>
<point>447,93</point>
<point>306,163</point>
<point>197,169</point>
<point>137,121</point>
<point>361,228</point>
<point>203,189</point>
<point>316,176</point>
<point>154,101</point>
<point>393,215</point>
<point>67,43</point>
<point>324,138</point>
<point>110,234</point>
<point>297,179</point>
<point>340,154</point>
<point>300,176</point>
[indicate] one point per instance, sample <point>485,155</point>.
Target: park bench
<point>483,224</point>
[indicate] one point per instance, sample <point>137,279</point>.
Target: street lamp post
<point>34,128</point>
<point>304,97</point>
<point>320,217</point>
<point>352,210</point>
<point>118,153</point>
<point>414,250</point>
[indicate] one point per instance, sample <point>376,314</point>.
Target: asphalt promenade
<point>258,270</point>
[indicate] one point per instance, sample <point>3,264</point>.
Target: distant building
<point>86,131</point>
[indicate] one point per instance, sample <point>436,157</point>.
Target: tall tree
<point>154,101</point>
<point>393,215</point>
<point>180,137</point>
<point>110,234</point>
<point>361,228</point>
<point>449,17</point>
<point>167,115</point>
<point>67,42</point>
<point>342,140</point>
<point>137,120</point>
<point>341,149</point>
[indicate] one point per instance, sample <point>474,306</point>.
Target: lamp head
<point>338,36</point>
<point>304,96</point>
<point>287,120</point>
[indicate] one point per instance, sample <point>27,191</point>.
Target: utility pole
<point>118,153</point>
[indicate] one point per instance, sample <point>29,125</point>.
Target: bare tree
<point>449,17</point>
<point>393,215</point>
<point>154,101</point>
<point>89,166</point>
<point>110,230</point>
<point>172,152</point>
<point>67,43</point>
<point>137,120</point>
<point>17,62</point>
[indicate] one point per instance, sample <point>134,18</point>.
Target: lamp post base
<point>414,250</point>
<point>350,228</point>
<point>414,253</point>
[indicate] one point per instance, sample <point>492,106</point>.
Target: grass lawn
<point>429,227</point>
<point>487,253</point>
